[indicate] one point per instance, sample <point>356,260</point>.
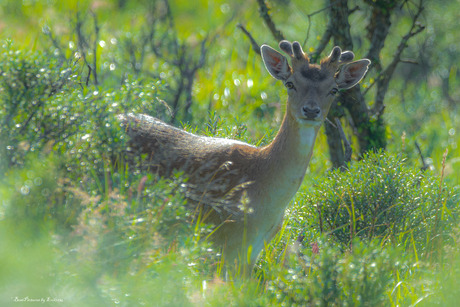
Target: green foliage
<point>28,84</point>
<point>380,197</point>
<point>115,238</point>
<point>45,108</point>
<point>329,277</point>
<point>78,224</point>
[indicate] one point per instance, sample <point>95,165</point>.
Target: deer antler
<point>295,51</point>
<point>334,60</point>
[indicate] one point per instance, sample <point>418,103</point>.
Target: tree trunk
<point>370,133</point>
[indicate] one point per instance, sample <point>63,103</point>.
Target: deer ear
<point>352,73</point>
<point>275,62</point>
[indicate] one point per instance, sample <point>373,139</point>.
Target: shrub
<point>333,278</point>
<point>45,107</point>
<point>28,81</point>
<point>380,197</point>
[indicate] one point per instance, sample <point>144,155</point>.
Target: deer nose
<point>311,113</point>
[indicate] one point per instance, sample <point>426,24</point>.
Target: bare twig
<point>331,123</point>
<point>82,43</point>
<point>356,8</point>
<point>56,44</point>
<point>409,61</point>
<point>425,166</point>
<point>254,44</point>
<point>367,89</point>
<point>89,74</point>
<point>309,16</point>
<point>95,43</point>
<point>322,44</point>
<point>264,13</point>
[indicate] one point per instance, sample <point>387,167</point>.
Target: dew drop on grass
<point>38,181</point>
<point>204,286</point>
<point>225,8</point>
<point>25,190</point>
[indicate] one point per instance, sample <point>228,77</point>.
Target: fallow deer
<point>245,189</point>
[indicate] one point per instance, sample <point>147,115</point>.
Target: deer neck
<point>287,159</point>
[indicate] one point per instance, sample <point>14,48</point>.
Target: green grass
<point>80,226</point>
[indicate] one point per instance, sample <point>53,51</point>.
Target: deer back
<point>216,168</point>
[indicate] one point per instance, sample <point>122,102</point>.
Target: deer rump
<point>213,182</point>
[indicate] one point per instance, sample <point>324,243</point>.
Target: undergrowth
<point>80,224</point>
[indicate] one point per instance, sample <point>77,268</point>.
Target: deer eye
<point>334,91</point>
<point>289,85</point>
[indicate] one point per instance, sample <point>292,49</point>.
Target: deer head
<point>311,88</point>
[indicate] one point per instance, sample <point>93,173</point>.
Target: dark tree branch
<point>425,166</point>
<point>325,39</point>
<point>384,79</point>
<point>265,14</point>
<point>414,62</point>
<point>254,44</point>
<point>352,99</point>
<point>346,143</point>
<point>190,73</point>
<point>95,43</point>
<point>172,26</point>
<point>378,29</point>
<point>340,26</point>
<point>335,146</point>
<point>82,43</point>
<point>89,74</point>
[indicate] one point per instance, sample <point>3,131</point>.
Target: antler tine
<point>335,55</point>
<point>286,47</point>
<point>346,56</point>
<point>298,52</point>
<point>338,57</point>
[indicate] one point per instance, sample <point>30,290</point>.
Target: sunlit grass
<point>80,224</point>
